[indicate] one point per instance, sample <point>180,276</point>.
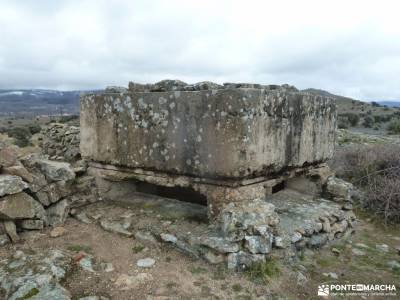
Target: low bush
<point>352,118</point>
<point>368,122</point>
<point>34,128</point>
<point>262,272</point>
<point>21,135</point>
<point>343,123</point>
<point>376,170</point>
<point>394,126</point>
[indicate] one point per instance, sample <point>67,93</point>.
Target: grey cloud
<point>90,44</point>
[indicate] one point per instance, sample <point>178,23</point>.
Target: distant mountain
<point>390,103</point>
<point>328,94</point>
<point>38,101</point>
<point>347,105</point>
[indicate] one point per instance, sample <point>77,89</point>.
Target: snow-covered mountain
<point>38,101</point>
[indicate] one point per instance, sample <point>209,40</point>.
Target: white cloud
<point>346,47</point>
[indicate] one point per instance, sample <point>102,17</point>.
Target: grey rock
<point>11,231</point>
<point>138,87</point>
<point>204,85</point>
<point>166,237</point>
<point>318,240</point>
<point>145,236</point>
<point>56,171</point>
<point>86,263</point>
<point>259,244</point>
<point>240,260</point>
<point>347,206</point>
<point>339,227</point>
<point>107,267</point>
<point>115,226</point>
<point>218,243</point>
<point>301,279</point>
<point>21,206</point>
<point>145,262</point>
<point>52,292</point>
<point>361,245</point>
<point>382,247</point>
<point>358,252</point>
<point>394,264</point>
<point>168,85</point>
<point>19,171</point>
<point>331,275</point>
<point>214,258</point>
<point>4,240</point>
<point>83,218</point>
<point>242,216</point>
<point>339,190</point>
<point>326,225</point>
<point>8,156</point>
<point>54,192</point>
<point>280,242</point>
<point>296,237</point>
<point>31,224</point>
<point>57,213</point>
<point>116,89</point>
<point>10,184</point>
<point>18,280</point>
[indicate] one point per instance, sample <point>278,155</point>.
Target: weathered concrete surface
<point>226,133</point>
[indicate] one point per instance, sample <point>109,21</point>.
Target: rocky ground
<point>81,260</point>
<point>115,250</point>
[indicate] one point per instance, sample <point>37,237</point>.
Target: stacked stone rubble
<point>36,192</point>
<point>61,142</point>
<point>178,85</point>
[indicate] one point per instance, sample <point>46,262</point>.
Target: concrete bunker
<point>254,154</point>
<point>228,143</point>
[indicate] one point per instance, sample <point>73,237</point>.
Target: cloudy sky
<point>347,47</point>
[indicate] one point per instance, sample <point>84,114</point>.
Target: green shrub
<point>353,118</point>
<point>21,135</point>
<point>394,127</point>
<point>368,122</point>
<point>34,128</point>
<point>66,119</point>
<point>375,104</point>
<point>343,123</point>
<point>262,272</point>
<point>378,119</point>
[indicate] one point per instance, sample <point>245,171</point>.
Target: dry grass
<point>375,169</point>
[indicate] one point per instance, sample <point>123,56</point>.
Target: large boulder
<point>53,192</point>
<point>8,157</point>
<point>20,206</point>
<point>19,170</point>
<point>247,216</point>
<point>55,171</point>
<point>339,190</point>
<point>57,213</point>
<point>10,184</point>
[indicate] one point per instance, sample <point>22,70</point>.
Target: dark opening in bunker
<point>179,193</point>
<point>278,187</point>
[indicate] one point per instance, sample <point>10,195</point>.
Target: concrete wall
<point>227,133</point>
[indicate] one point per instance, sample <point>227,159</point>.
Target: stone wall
<point>36,192</point>
<point>61,142</point>
<point>236,131</point>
